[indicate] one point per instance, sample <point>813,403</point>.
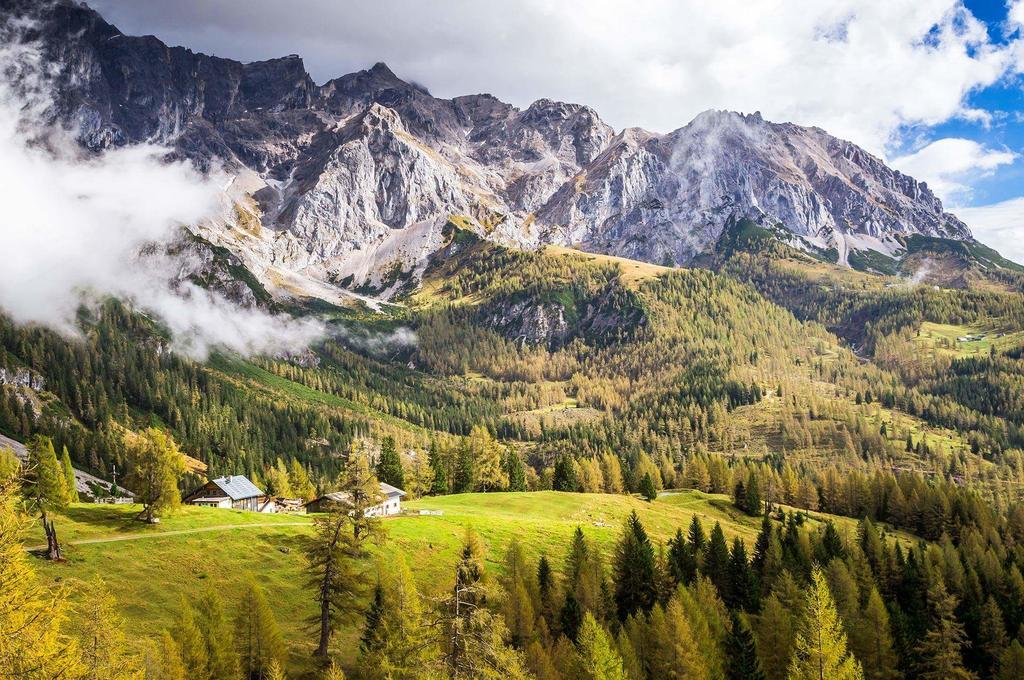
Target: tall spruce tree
<point>681,560</point>
<point>715,564</point>
<point>741,592</point>
<point>439,468</point>
<point>565,478</point>
<point>635,586</point>
<point>514,470</point>
<point>741,662</point>
<point>389,465</point>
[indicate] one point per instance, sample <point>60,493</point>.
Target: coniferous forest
<point>722,380</point>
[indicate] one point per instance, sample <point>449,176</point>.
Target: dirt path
<point>176,532</point>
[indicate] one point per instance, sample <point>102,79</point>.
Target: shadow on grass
<point>110,517</point>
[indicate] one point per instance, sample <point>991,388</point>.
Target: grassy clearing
<point>963,341</point>
<point>633,272</point>
<point>88,521</point>
<point>149,577</point>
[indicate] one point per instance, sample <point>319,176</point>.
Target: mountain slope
<point>354,178</point>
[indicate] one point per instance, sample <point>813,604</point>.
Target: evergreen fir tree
<point>371,627</point>
<point>695,537</point>
<point>545,587</point>
<point>514,470</point>
<point>439,468</point>
<point>647,488</point>
<point>681,560</point>
<point>716,560</point>
<point>741,662</point>
<point>571,616</point>
<point>389,465</point>
<point>741,589</point>
<point>752,503</point>
<point>465,474</point>
<point>635,587</point>
<point>565,478</point>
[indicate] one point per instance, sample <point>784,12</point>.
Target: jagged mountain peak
<point>355,168</point>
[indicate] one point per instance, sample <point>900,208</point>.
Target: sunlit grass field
<point>151,568</point>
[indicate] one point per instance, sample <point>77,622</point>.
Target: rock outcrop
<point>354,178</point>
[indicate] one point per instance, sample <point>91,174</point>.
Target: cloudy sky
<point>933,86</point>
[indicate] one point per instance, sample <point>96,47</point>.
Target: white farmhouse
<point>391,505</point>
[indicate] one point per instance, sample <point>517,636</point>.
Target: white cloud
<point>72,228</point>
<point>1000,225</point>
<point>862,70</point>
<point>950,165</point>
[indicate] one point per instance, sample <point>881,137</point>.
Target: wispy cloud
<point>952,165</point>
<point>1000,225</point>
<point>73,226</point>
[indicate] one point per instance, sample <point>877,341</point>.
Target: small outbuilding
<point>391,505</point>
<point>232,491</point>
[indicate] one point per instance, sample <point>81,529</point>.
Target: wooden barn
<point>233,491</point>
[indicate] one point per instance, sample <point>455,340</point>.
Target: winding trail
<point>174,532</point>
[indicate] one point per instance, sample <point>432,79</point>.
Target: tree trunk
<point>52,546</point>
<point>325,623</point>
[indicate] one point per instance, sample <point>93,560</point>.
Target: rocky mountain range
<point>350,184</point>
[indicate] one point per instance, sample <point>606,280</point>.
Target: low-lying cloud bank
<point>1000,225</point>
<point>72,227</point>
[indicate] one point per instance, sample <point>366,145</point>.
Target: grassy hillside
<point>150,568</point>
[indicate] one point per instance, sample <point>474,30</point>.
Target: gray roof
<point>386,489</point>
<point>390,491</point>
<point>237,487</point>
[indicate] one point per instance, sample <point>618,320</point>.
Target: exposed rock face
<point>22,377</point>
<point>356,176</point>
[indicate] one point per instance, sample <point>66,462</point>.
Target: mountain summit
<point>359,176</point>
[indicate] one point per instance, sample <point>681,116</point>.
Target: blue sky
<point>1005,102</point>
<point>933,87</point>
